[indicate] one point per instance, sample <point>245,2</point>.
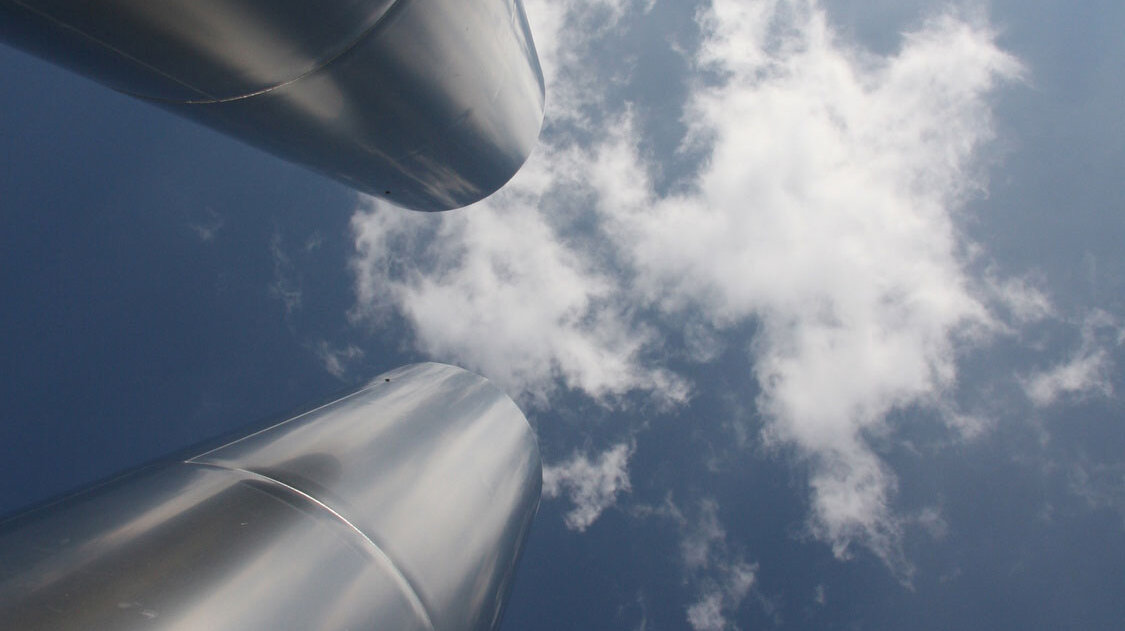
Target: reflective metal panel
<point>208,50</point>
<point>433,104</point>
<point>401,506</point>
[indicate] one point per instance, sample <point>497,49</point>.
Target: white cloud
<point>824,212</point>
<point>336,360</point>
<point>1088,371</point>
<point>592,485</point>
<point>706,614</point>
<point>498,290</point>
<point>725,577</point>
<point>1023,299</point>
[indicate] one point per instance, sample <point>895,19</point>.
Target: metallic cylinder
<point>401,506</point>
<point>432,104</point>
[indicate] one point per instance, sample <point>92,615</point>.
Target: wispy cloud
<point>591,484</point>
<point>823,209</point>
<point>208,226</point>
<point>563,32</point>
<point>336,360</point>
<point>1102,485</point>
<point>718,571</point>
<point>286,284</point>
<point>1086,372</point>
<point>723,576</point>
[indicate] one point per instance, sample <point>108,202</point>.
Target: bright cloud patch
<point>823,211</point>
<point>592,485</point>
<point>496,289</point>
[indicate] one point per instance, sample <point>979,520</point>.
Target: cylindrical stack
<point>402,506</point>
<point>432,104</point>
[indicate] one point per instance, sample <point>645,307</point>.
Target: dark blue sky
<point>819,330</point>
<point>125,333</point>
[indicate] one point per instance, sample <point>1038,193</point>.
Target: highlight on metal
<point>431,104</point>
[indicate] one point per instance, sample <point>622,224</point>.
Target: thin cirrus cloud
<point>721,576</point>
<point>1087,372</point>
<point>822,210</point>
<point>717,571</point>
<point>336,361</point>
<point>726,577</point>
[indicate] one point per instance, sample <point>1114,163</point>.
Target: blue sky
<point>816,307</point>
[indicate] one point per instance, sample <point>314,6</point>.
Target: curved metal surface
<point>432,104</point>
<point>402,506</point>
<point>207,50</point>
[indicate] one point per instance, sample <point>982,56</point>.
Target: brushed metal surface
<point>208,50</point>
<point>431,104</point>
<point>402,506</point>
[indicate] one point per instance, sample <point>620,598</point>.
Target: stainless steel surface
<point>433,104</point>
<point>401,506</point>
<point>207,50</point>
